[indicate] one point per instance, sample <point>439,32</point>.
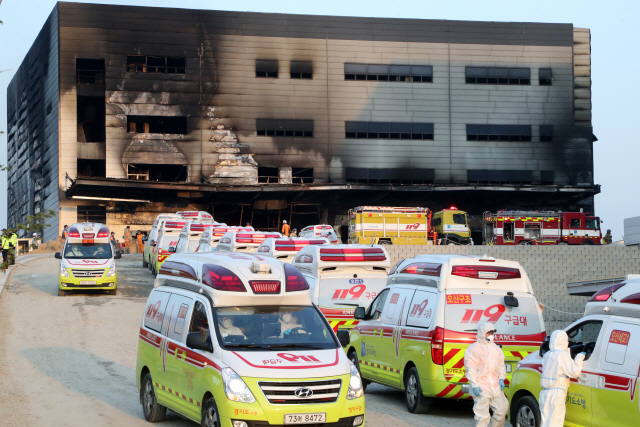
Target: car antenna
<point>373,239</point>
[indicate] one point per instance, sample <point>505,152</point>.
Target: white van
<point>190,235</point>
<point>168,234</point>
<point>230,339</point>
<point>343,277</point>
<point>149,242</point>
<point>243,241</point>
<point>434,304</point>
<point>606,394</point>
<point>322,230</point>
<point>286,248</point>
<point>197,216</point>
<point>211,236</point>
<point>87,260</point>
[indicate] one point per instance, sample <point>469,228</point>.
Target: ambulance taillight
<point>295,280</point>
<point>437,346</point>
<point>352,254</point>
<point>103,232</point>
<point>221,278</point>
<point>604,294</point>
<point>265,286</point>
<point>73,232</point>
<point>631,299</point>
<point>488,273</point>
<point>423,268</point>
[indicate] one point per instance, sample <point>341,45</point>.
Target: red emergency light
<point>265,286</point>
<point>221,278</point>
<point>103,232</point>
<point>352,254</point>
<point>199,227</point>
<point>88,235</point>
<point>73,232</point>
<point>423,268</point>
<point>253,238</point>
<point>174,224</point>
<point>294,279</point>
<point>482,272</point>
<point>604,294</point>
<point>631,299</point>
<point>296,245</point>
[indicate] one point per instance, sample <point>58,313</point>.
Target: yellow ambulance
<point>390,226</point>
<point>233,340</point>
<point>606,393</point>
<point>87,260</point>
<point>452,227</point>
<point>413,336</point>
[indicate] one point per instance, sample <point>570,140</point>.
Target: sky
<point>614,36</point>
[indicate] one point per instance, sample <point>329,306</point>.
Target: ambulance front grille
<point>284,393</point>
<point>87,273</point>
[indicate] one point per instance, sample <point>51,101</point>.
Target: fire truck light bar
<point>352,254</point>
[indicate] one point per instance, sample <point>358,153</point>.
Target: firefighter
<point>5,246</point>
<point>13,245</point>
<point>607,238</point>
<point>286,230</point>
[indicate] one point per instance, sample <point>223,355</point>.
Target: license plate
<point>87,282</point>
<point>508,368</point>
<point>305,418</point>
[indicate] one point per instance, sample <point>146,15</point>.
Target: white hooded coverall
<point>557,370</point>
<point>484,366</point>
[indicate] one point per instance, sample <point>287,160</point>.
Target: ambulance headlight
<point>63,271</point>
<point>112,271</point>
<point>355,384</point>
<point>235,388</point>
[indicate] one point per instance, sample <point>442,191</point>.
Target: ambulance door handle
<point>584,379</point>
<point>600,382</point>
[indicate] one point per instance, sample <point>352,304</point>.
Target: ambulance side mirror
<point>194,341</point>
<point>58,255</point>
<point>118,255</point>
<point>153,243</point>
<point>359,313</point>
<point>343,337</point>
<point>172,249</point>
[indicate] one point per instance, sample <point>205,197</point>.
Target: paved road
<point>71,361</point>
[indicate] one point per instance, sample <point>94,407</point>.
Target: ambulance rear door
<point>519,330</point>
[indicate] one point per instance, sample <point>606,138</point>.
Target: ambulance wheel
<point>416,402</point>
<point>153,411</point>
<point>210,417</point>
<point>61,293</point>
<point>144,262</point>
<point>353,356</point>
<point>113,292</point>
<point>526,413</point>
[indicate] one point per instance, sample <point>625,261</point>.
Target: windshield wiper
<point>294,345</point>
<point>244,346</point>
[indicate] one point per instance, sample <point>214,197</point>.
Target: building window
<point>156,64</point>
<point>90,71</point>
<point>389,73</point>
<point>546,133</point>
<point>545,77</point>
<point>498,133</point>
<point>267,69</point>
<point>97,214</point>
<point>547,177</point>
<point>403,176</point>
<point>157,124</point>
<point>285,127</point>
<point>301,70</point>
<point>498,75</point>
<point>388,130</point>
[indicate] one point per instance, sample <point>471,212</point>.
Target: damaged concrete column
<point>234,166</point>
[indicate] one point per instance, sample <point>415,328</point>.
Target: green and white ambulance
<point>233,340</point>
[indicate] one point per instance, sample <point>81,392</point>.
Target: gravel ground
<point>71,360</point>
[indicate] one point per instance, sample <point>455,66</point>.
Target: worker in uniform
<point>294,233</point>
<point>607,238</point>
<point>127,239</point>
<point>5,246</point>
<point>557,370</point>
<point>486,372</point>
<point>139,236</point>
<point>65,233</point>
<point>13,245</point>
<point>285,228</point>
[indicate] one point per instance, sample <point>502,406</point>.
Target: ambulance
<point>343,277</point>
<point>323,230</point>
<point>452,227</point>
<point>87,260</point>
<point>286,248</point>
<point>234,340</point>
<point>168,234</point>
<point>413,336</point>
<point>606,393</point>
<point>212,235</point>
<point>197,216</point>
<point>189,238</point>
<point>147,254</point>
<point>243,241</point>
<point>388,225</point>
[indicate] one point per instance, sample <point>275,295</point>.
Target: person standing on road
<point>486,372</point>
<point>607,238</point>
<point>13,245</point>
<point>286,230</point>
<point>139,237</point>
<point>65,232</point>
<point>127,238</point>
<point>557,370</point>
<point>5,246</point>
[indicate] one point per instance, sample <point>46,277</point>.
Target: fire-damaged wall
<point>32,132</point>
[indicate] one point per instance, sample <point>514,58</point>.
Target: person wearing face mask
<point>226,328</point>
<point>288,322</point>
<point>486,372</point>
<point>557,370</point>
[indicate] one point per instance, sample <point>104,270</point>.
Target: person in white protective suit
<point>486,372</point>
<point>557,370</point>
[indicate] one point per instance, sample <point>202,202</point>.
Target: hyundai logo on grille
<point>303,393</point>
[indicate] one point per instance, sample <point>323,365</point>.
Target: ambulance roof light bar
<point>485,272</point>
<point>604,294</point>
<point>73,232</point>
<point>103,232</point>
<point>352,254</point>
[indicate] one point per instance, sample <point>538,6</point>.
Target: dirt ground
<point>70,361</point>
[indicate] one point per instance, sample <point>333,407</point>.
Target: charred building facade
<point>118,113</point>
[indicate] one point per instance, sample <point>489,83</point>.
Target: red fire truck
<point>541,228</point>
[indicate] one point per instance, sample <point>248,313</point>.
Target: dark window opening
<point>91,119</point>
<point>498,75</point>
<point>91,167</point>
<point>546,133</point>
<point>545,77</point>
<point>284,128</point>
<point>154,172</point>
<point>156,64</point>
<point>266,68</point>
<point>460,219</point>
<point>302,175</point>
<point>498,133</point>
<point>301,70</point>
<point>90,71</point>
<point>575,223</point>
<point>389,73</point>
<point>92,214</point>
<point>484,176</point>
<point>268,175</point>
<point>388,130</point>
<point>396,176</point>
<point>547,177</point>
<point>157,124</point>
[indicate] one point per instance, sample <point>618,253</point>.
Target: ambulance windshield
<point>87,251</point>
<point>260,328</point>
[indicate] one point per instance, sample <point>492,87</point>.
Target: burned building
<point>118,113</point>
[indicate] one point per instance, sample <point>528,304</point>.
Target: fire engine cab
<point>541,228</point>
